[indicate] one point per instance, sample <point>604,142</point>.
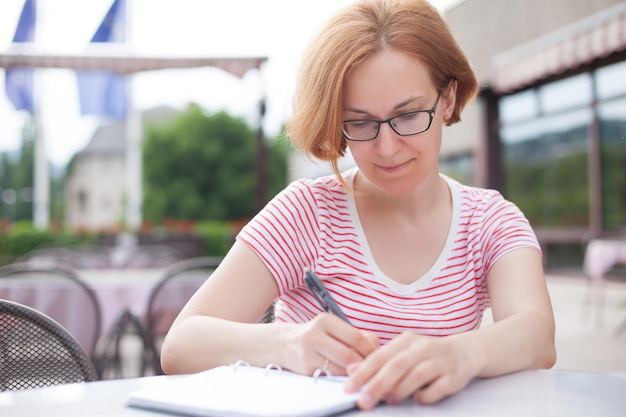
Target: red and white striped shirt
<point>315,224</point>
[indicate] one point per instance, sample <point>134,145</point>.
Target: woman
<point>409,255</point>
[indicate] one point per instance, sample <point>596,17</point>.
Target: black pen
<point>322,295</point>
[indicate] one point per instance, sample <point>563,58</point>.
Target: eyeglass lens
<point>404,124</point>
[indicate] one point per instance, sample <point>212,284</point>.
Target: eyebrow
<point>396,107</point>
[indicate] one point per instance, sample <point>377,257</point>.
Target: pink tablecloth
<point>116,290</point>
<point>601,255</point>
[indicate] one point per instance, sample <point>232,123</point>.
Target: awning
<point>568,48</point>
<point>108,57</point>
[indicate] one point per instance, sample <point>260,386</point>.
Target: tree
<point>16,173</point>
<point>202,167</point>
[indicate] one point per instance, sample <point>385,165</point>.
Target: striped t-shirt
<point>315,224</point>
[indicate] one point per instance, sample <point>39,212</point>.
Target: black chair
<point>112,352</point>
<point>168,297</point>
<point>177,284</point>
<point>82,257</point>
<point>151,256</point>
<point>36,351</point>
<point>52,289</point>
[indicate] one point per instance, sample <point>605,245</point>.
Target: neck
<point>431,194</point>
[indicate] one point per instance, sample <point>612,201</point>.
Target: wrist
<point>471,350</point>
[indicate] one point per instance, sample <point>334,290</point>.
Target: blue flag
<point>19,81</point>
<point>104,93</point>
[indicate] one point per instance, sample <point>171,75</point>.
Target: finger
<point>329,367</point>
<point>438,389</point>
<point>362,343</point>
<point>384,383</point>
<point>339,355</point>
<point>373,339</point>
<point>362,372</point>
<point>417,378</point>
<point>365,371</point>
<point>345,344</point>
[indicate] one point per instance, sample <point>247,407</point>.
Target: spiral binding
<point>319,372</point>
<point>240,364</point>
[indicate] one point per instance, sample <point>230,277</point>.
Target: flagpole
<point>22,90</point>
<point>109,94</point>
<point>41,180</point>
<point>134,133</point>
<point>133,164</point>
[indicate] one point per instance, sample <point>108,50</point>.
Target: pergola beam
<point>123,62</point>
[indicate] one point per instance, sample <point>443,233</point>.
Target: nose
<point>388,141</point>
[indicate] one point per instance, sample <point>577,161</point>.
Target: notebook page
<point>248,391</point>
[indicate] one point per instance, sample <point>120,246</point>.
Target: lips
<point>394,167</point>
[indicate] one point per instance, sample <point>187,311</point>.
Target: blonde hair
<point>363,28</point>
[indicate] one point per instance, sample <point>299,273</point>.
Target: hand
<point>427,368</point>
<point>326,337</point>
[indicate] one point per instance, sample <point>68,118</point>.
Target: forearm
<point>202,342</point>
<point>522,341</point>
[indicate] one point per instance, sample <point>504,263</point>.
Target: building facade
<point>549,127</point>
<point>96,179</point>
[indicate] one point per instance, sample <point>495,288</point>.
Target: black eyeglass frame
<point>431,114</point>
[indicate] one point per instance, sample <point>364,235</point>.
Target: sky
<point>277,29</point>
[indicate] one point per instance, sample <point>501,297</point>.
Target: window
<point>545,134</point>
<point>611,81</point>
<point>545,155</point>
<point>459,167</point>
<point>612,119</point>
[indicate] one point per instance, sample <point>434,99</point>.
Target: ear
<point>449,96</point>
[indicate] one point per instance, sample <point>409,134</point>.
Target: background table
<point>117,290</point>
<point>545,393</point>
<point>601,255</point>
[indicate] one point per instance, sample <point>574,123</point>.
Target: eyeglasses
<point>406,124</point>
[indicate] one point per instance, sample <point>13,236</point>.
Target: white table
<point>545,393</point>
<point>121,289</point>
<point>600,256</point>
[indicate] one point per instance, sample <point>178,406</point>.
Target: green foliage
<point>614,184</point>
<point>278,158</point>
<point>202,167</point>
<point>551,192</point>
<point>23,238</point>
<point>17,173</point>
<point>218,237</point>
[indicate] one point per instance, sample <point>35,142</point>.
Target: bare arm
<point>218,326</point>
<point>429,369</point>
<point>522,335</point>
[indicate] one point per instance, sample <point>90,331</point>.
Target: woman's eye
<point>362,124</point>
<point>408,116</point>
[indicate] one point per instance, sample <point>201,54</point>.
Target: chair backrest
<point>58,292</point>
<point>170,294</point>
<point>150,256</point>
<point>35,351</point>
<point>83,257</point>
<point>176,286</point>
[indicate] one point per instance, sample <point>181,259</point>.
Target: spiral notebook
<point>236,390</point>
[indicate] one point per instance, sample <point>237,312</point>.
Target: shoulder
<point>487,217</point>
<point>480,201</point>
<point>326,190</point>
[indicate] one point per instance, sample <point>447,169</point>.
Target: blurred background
<point>137,122</point>
<point>85,151</point>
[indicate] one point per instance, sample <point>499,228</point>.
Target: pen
<point>322,295</point>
